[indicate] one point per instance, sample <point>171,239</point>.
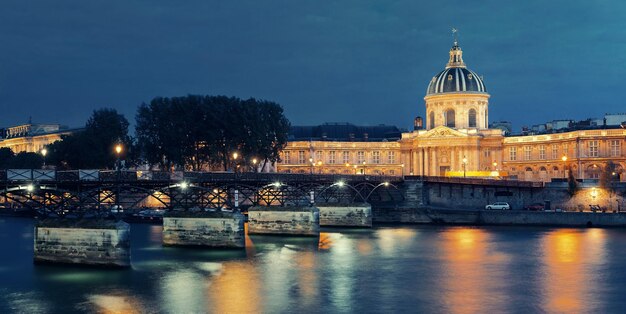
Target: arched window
<point>431,120</point>
<point>472,118</point>
<point>449,117</point>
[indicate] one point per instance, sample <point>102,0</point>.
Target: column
<point>426,162</point>
<point>434,162</point>
<point>452,159</point>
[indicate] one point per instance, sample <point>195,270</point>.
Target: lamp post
<point>364,168</point>
<point>118,152</point>
<point>564,159</point>
<point>464,165</point>
<point>235,156</point>
<point>254,161</point>
<point>319,165</point>
<point>312,164</point>
<point>495,166</point>
<point>44,152</point>
<point>402,165</point>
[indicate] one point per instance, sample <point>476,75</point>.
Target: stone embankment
<point>288,220</point>
<point>210,229</point>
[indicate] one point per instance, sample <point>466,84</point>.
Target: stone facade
<point>94,243</point>
<point>221,229</point>
<point>291,220</point>
<point>351,215</point>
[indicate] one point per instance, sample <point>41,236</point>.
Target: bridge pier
<point>103,243</point>
<point>208,229</point>
<point>346,215</point>
<point>288,220</point>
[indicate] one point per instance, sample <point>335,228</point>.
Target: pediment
<point>444,131</point>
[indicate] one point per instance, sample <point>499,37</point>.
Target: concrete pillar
<point>426,162</point>
<point>351,215</point>
<point>103,243</point>
<point>208,229</point>
<point>288,220</point>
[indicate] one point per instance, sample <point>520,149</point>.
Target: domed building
<point>456,139</point>
<point>457,97</point>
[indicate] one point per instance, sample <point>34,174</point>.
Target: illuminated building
<point>456,141</point>
<point>31,137</point>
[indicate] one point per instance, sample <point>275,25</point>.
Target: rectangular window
<point>616,148</point>
<point>391,157</point>
<point>331,157</point>
<point>287,157</point>
<point>565,150</point>
<point>487,153</point>
<point>318,156</point>
<point>376,157</point>
<point>360,157</point>
<point>346,157</point>
<point>593,149</point>
<point>542,152</point>
<point>301,158</point>
<point>555,151</point>
<point>527,151</point>
<point>513,153</point>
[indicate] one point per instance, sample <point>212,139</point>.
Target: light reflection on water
<point>386,269</point>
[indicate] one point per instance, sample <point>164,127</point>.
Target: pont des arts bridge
<point>204,209</point>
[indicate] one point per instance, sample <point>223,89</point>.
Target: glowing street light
<point>594,193</point>
<point>118,149</point>
<point>44,152</point>
<point>564,159</point>
<point>30,188</point>
<point>184,185</point>
<point>340,184</point>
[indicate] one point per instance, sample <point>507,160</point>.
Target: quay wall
<point>352,215</point>
<point>290,220</point>
<point>92,243</point>
<point>220,229</point>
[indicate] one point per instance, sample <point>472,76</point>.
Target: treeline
<point>190,132</point>
<point>22,160</point>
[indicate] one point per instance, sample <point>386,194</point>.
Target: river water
<point>418,269</point>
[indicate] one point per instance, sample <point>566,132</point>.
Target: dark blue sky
<point>366,62</point>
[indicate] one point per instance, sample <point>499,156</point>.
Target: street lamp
<point>564,159</point>
<point>495,166</point>
<point>464,165</point>
<point>44,152</point>
<point>364,168</point>
<point>402,165</point>
<point>312,164</point>
<point>319,164</point>
<point>254,161</point>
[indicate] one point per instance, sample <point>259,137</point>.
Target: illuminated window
<point>318,156</point>
<point>527,152</point>
<point>331,157</point>
<point>287,157</point>
<point>360,157</point>
<point>376,157</point>
<point>513,153</point>
<point>555,151</point>
<point>391,157</point>
<point>593,148</point>
<point>616,148</point>
<point>542,152</point>
<point>472,118</point>
<point>346,157</point>
<point>301,159</point>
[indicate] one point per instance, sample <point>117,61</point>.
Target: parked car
<point>498,205</point>
<point>535,206</point>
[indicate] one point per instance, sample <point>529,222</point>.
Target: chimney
<point>418,123</point>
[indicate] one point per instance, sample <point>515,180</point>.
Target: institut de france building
<point>456,141</point>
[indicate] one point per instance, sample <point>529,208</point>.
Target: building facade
<point>31,137</point>
<point>457,141</point>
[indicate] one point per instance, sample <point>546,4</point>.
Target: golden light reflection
<point>236,289</point>
<point>568,256</point>
<point>326,241</point>
<point>115,304</point>
<point>391,240</point>
<point>469,281</point>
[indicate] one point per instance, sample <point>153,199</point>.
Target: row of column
<point>425,161</point>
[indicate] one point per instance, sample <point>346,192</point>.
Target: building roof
<point>344,132</point>
<point>456,77</point>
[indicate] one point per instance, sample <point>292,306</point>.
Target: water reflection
<point>569,256</point>
<point>113,304</point>
<point>235,290</point>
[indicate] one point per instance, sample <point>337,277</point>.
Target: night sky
<point>364,62</point>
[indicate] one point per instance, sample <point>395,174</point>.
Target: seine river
<point>417,269</point>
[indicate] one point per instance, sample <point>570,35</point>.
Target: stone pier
<point>104,243</point>
<point>346,215</point>
<point>289,220</point>
<point>210,229</point>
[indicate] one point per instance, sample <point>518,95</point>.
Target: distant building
<point>505,126</point>
<point>345,132</point>
<point>31,137</point>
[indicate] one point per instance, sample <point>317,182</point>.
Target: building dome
<point>456,78</point>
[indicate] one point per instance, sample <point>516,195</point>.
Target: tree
<point>572,184</point>
<point>197,131</point>
<point>26,160</point>
<point>94,146</point>
<point>6,155</point>
<point>607,175</point>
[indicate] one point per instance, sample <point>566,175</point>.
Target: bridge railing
<point>12,175</point>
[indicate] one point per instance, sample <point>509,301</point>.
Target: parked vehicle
<point>535,206</point>
<point>498,205</point>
